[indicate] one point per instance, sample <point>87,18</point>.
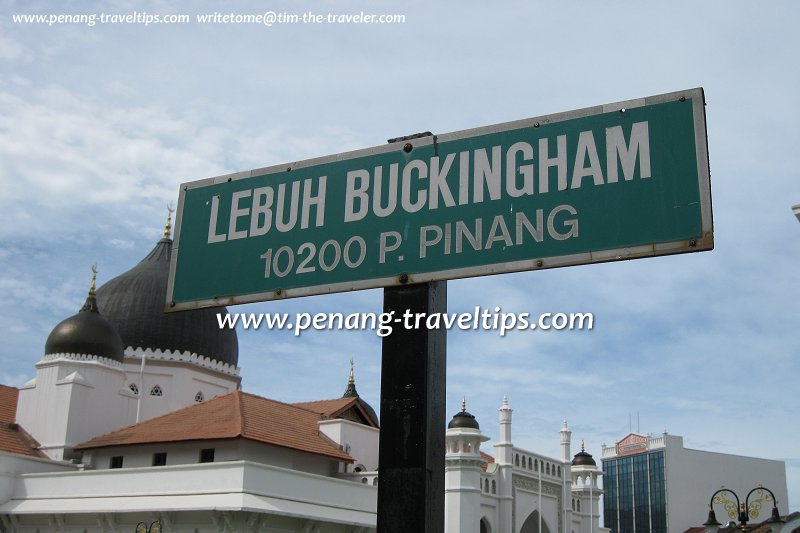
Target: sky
<point>99,126</point>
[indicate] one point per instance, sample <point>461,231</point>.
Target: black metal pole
<point>412,445</point>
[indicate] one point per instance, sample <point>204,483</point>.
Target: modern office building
<point>654,484</point>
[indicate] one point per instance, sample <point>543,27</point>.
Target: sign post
<point>412,445</point>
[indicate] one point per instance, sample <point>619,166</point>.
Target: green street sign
<point>611,182</point>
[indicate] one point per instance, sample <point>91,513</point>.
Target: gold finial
<point>168,227</point>
<point>463,404</point>
<point>352,376</point>
<point>94,277</point>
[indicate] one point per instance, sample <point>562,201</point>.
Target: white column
<point>566,438</point>
<point>505,462</point>
<point>566,480</point>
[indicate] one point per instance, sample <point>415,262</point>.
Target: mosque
<point>136,421</point>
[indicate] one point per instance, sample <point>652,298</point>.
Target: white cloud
<point>13,50</point>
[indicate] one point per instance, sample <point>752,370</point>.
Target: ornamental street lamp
<point>154,527</point>
<point>746,510</point>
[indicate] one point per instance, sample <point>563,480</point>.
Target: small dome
<point>133,303</point>
<point>583,458</point>
<point>86,333</point>
<point>351,392</point>
<point>463,419</point>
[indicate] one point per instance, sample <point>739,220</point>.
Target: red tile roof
<point>8,404</point>
<point>14,439</point>
<point>234,415</point>
<point>489,459</point>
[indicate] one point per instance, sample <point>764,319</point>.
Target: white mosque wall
<point>358,440</point>
<point>73,399</point>
<point>173,380</point>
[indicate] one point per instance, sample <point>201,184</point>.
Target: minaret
<point>503,449</point>
<point>586,490</point>
<point>462,477</point>
<point>566,437</point>
<point>566,465</point>
<point>504,453</point>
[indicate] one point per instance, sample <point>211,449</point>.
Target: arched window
<point>516,460</point>
<point>579,506</point>
<point>559,471</point>
<point>486,486</point>
<point>547,469</point>
<point>156,391</point>
<point>530,464</point>
<point>199,397</point>
<point>494,487</point>
<point>375,480</point>
<point>573,504</point>
<point>364,480</point>
<point>536,465</point>
<point>134,388</point>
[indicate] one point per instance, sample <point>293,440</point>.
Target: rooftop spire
<point>168,227</point>
<point>350,391</point>
<point>94,278</point>
<point>463,404</point>
<point>505,407</point>
<point>583,447</point>
<point>91,300</point>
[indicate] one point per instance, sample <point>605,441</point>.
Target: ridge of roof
<point>239,411</point>
<point>330,409</point>
<point>314,404</point>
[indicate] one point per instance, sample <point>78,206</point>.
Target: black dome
<point>583,458</point>
<point>85,333</point>
<point>351,392</point>
<point>463,419</point>
<point>133,303</point>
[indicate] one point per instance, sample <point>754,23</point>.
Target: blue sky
<point>100,125</point>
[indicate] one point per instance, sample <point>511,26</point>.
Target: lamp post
<point>154,527</point>
<point>743,511</point>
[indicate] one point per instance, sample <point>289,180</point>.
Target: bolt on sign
<point>617,181</point>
